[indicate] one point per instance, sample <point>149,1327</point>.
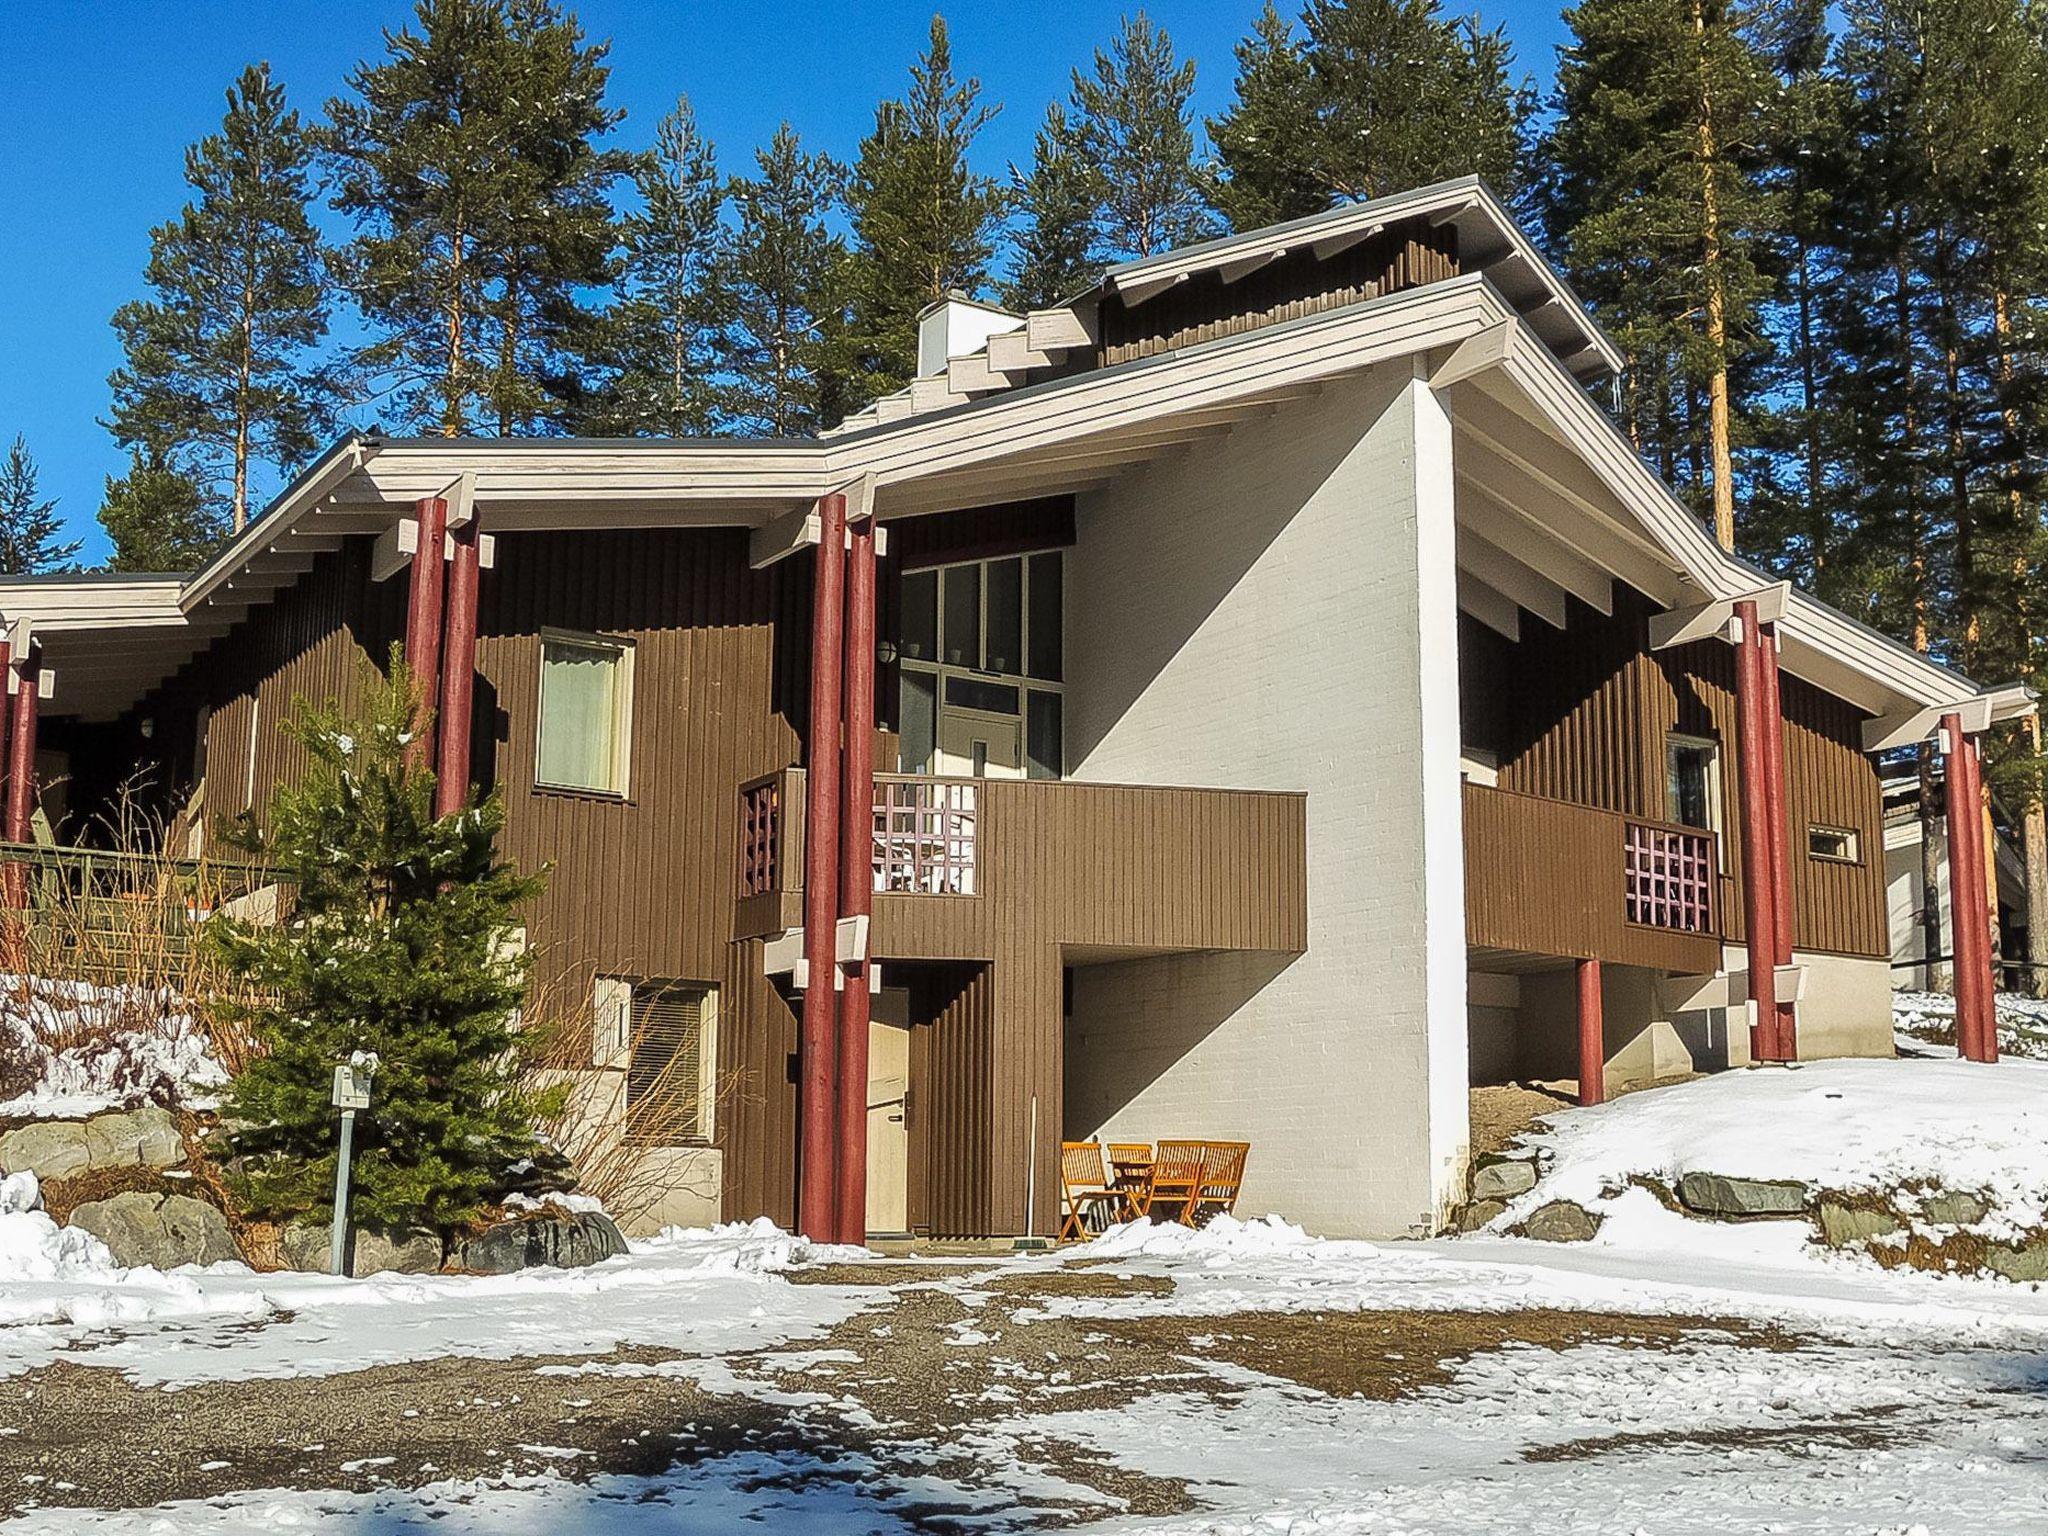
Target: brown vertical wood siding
<point>1582,715</point>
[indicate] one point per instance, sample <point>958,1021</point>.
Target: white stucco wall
<point>1280,612</point>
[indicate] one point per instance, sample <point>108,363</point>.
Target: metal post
<point>1592,1036</point>
<point>423,614</point>
<point>337,1252</point>
<point>856,881</point>
<point>1759,920</point>
<point>817,1059</point>
<point>458,675</point>
<point>1779,841</point>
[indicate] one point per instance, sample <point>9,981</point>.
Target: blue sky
<point>99,100</point>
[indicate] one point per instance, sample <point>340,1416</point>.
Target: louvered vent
<point>668,1074</point>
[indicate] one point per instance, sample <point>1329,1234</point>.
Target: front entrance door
<point>974,745</point>
<point>888,1134</point>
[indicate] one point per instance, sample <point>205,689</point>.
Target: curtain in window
<point>579,711</point>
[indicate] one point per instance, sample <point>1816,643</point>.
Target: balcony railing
<point>1670,876</point>
<point>924,835</point>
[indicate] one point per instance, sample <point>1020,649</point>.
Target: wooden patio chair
<point>1085,1190</point>
<point>1130,1169</point>
<point>1177,1170</point>
<point>1222,1177</point>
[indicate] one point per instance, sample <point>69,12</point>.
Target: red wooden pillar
<point>13,879</point>
<point>817,1054</point>
<point>423,616</point>
<point>458,671</point>
<point>856,881</point>
<point>1592,1036</point>
<point>1987,911</point>
<point>1759,917</point>
<point>21,754</point>
<point>1780,840</point>
<point>1968,917</point>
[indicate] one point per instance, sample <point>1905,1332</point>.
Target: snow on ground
<point>94,1048</point>
<point>1924,1023</point>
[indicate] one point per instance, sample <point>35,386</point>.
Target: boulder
<point>1716,1194</point>
<point>2029,1262</point>
<point>1502,1180</point>
<point>557,1239</point>
<point>50,1149</point>
<point>146,1137</point>
<point>1479,1213</point>
<point>1954,1207</point>
<point>163,1231</point>
<point>1842,1225</point>
<point>308,1245</point>
<point>1561,1221</point>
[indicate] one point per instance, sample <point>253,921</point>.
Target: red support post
<point>423,615</point>
<point>458,672</point>
<point>1592,1036</point>
<point>1970,943</point>
<point>13,879</point>
<point>1981,856</point>
<point>21,755</point>
<point>1780,841</point>
<point>1759,919</point>
<point>856,881</point>
<point>817,1057</point>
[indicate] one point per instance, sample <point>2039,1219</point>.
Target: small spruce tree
<point>30,542</point>
<point>395,944</point>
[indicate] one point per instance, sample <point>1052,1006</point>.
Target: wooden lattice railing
<point>1670,876</point>
<point>925,835</point>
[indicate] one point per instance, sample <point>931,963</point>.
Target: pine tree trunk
<point>1809,390</point>
<point>453,391</point>
<point>240,517</point>
<point>1721,453</point>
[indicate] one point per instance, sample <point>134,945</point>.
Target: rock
<point>1841,1225</point>
<point>1479,1213</point>
<point>1561,1222</point>
<point>307,1246</point>
<point>51,1149</point>
<point>2027,1263</point>
<point>1715,1194</point>
<point>560,1240</point>
<point>1954,1207</point>
<point>163,1231</point>
<point>147,1137</point>
<point>1502,1180</point>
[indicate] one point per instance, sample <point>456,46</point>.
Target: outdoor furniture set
<point>1190,1182</point>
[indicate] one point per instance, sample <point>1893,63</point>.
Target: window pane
<point>919,712</point>
<point>963,615</point>
<point>1046,617</point>
<point>665,1071</point>
<point>1005,616</point>
<point>1042,745</point>
<point>1688,789</point>
<point>972,693</point>
<point>579,716</point>
<point>921,616</point>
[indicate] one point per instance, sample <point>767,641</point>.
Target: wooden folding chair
<point>1177,1179</point>
<point>1130,1169</point>
<point>1222,1177</point>
<point>1085,1190</point>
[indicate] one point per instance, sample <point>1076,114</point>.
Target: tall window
<point>586,695</point>
<point>984,639</point>
<point>1693,782</point>
<point>671,1066</point>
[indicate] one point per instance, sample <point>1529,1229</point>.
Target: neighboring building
<point>1301,702</point>
<point>1906,892</point>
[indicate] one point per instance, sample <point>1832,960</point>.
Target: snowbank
<point>1852,1126</point>
<point>33,1247</point>
<point>96,1048</point>
<point>1925,1024</point>
<point>1225,1241</point>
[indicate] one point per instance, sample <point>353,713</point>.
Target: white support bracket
<point>850,939</point>
<point>1490,348</point>
<point>394,548</point>
<point>460,494</point>
<point>783,955</point>
<point>1903,730</point>
<point>1702,621</point>
<point>486,550</point>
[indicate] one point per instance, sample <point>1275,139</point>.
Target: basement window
<point>671,1065</point>
<point>586,713</point>
<point>1837,845</point>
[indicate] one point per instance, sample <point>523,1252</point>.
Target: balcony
<point>960,864</point>
<point>1547,877</point>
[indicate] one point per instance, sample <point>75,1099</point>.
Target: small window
<point>671,1065</point>
<point>1838,845</point>
<point>1043,758</point>
<point>921,616</point>
<point>586,684</point>
<point>1692,782</point>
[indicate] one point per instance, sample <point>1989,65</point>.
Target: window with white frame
<point>671,1064</point>
<point>585,713</point>
<point>1692,768</point>
<point>1836,845</point>
<point>984,637</point>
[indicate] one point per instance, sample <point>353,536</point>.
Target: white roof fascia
<point>279,518</point>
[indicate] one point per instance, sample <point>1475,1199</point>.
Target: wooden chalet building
<point>1290,701</point>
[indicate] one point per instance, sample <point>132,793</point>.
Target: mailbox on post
<point>351,1093</point>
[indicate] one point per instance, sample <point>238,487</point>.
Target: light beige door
<point>973,745</point>
<point>888,1134</point>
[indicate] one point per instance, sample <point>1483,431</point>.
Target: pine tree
<point>1133,127</point>
<point>662,334</point>
<point>29,526</point>
<point>924,221</point>
<point>1052,247</point>
<point>158,518</point>
<point>469,157</point>
<point>779,272</point>
<point>394,944</point>
<point>219,367</point>
<point>1380,96</point>
<point>1654,197</point>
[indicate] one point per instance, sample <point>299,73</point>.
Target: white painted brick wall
<point>1253,615</point>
